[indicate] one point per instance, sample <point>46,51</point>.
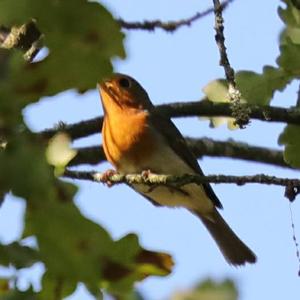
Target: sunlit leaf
<point>217,91</point>
<point>59,153</point>
<point>209,290</point>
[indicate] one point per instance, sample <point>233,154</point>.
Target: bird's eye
<point>124,83</point>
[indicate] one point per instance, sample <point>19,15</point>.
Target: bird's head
<point>124,92</point>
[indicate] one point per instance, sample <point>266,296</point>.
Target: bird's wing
<point>178,144</point>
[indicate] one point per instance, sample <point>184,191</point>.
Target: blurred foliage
<point>205,290</point>
<point>17,255</point>
<point>81,38</point>
<point>59,152</point>
<point>209,290</point>
<point>289,60</point>
<point>74,32</point>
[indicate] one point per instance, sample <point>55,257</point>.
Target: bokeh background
<point>175,67</point>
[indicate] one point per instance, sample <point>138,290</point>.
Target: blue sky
<point>175,67</point>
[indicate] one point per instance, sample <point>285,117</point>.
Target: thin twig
<point>169,26</point>
<point>178,181</point>
<point>201,147</point>
<point>239,112</point>
<point>298,96</point>
<point>295,238</point>
<point>220,40</point>
<point>185,109</point>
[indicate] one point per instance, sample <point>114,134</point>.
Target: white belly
<point>166,161</point>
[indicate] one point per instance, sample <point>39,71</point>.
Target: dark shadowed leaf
<point>17,255</point>
<point>19,295</point>
<point>290,138</point>
<point>81,36</point>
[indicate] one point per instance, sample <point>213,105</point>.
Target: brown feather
<point>234,250</point>
<point>135,138</point>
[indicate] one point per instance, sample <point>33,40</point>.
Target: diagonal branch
<point>186,109</point>
<point>171,25</point>
<point>153,180</point>
<point>200,147</point>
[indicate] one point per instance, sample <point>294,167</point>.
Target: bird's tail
<point>234,250</point>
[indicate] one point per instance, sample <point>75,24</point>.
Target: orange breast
<point>127,138</point>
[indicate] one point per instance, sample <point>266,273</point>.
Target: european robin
<point>137,139</point>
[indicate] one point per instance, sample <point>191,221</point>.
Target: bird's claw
<point>106,177</point>
<point>146,173</point>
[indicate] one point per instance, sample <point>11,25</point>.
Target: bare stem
<point>169,26</point>
<point>240,113</point>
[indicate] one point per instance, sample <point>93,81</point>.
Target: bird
<point>137,138</point>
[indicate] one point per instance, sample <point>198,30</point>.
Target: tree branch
<point>187,109</point>
<point>240,113</point>
<point>200,147</point>
<point>26,38</point>
<point>154,180</point>
<point>169,26</point>
<point>298,96</point>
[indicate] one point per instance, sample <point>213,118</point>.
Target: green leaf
<point>17,255</point>
<point>290,138</point>
<point>59,153</point>
<point>289,15</point>
<point>55,288</point>
<point>289,58</point>
<point>217,91</point>
<point>259,88</point>
<point>24,168</point>
<point>4,286</point>
<point>290,39</point>
<point>210,290</point>
<point>255,89</point>
<point>291,18</point>
<point>82,38</point>
<point>20,295</point>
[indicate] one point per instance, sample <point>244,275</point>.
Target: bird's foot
<point>106,177</point>
<point>146,173</point>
